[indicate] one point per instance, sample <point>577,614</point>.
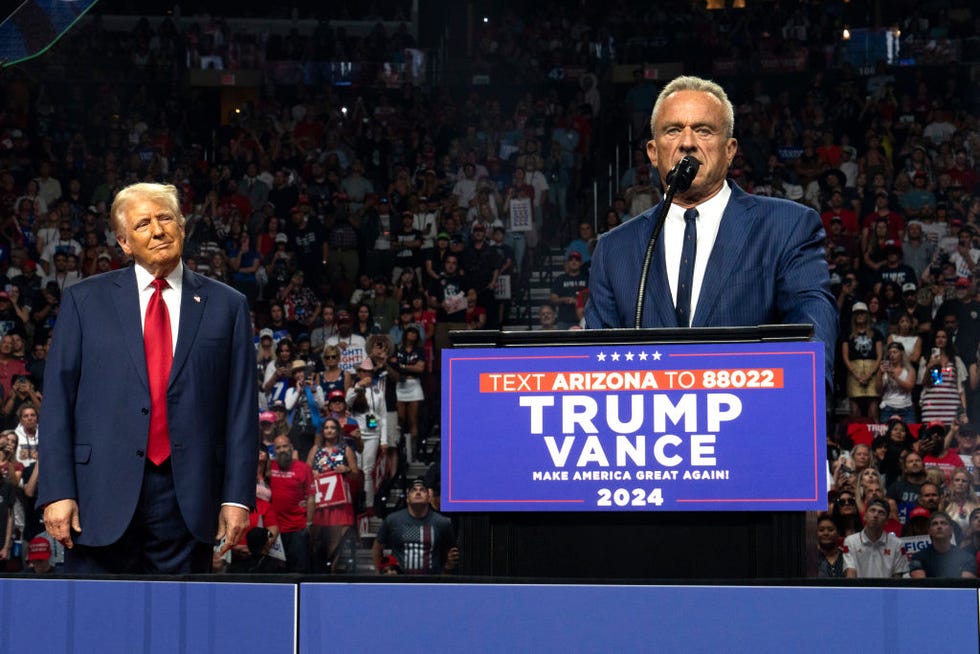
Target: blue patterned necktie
<point>685,275</point>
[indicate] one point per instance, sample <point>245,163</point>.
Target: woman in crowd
<point>364,321</point>
<point>962,499</point>
<point>865,479</point>
<point>943,377</point>
<point>425,318</point>
<point>830,558</point>
<point>845,514</point>
<point>611,221</point>
<point>332,521</point>
<point>324,328</point>
<point>862,351</point>
<point>862,459</point>
<point>407,286</point>
<point>878,315</point>
<point>366,399</point>
<point>476,316</point>
<point>895,384</point>
<point>332,377</point>
<point>411,365</point>
<point>898,441</point>
<point>903,331</point>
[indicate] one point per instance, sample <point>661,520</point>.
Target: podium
<point>519,462</point>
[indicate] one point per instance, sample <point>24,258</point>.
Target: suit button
<point>139,453</point>
<point>145,411</point>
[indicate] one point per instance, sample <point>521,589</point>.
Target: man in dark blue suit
<point>757,260</point>
<point>121,499</point>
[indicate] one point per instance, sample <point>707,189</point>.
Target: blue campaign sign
<point>658,427</point>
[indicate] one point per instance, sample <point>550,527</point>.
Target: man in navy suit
<point>758,260</point>
<point>120,500</point>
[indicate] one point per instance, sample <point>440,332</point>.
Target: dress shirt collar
<point>144,279</point>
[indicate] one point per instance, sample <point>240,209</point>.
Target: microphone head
<point>682,175</point>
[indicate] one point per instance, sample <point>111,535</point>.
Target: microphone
<point>681,175</point>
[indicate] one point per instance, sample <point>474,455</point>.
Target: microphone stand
<point>648,258</point>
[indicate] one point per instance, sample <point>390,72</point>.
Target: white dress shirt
<point>708,222</point>
<point>171,296</point>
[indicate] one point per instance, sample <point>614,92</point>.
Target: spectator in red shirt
<point>291,483</point>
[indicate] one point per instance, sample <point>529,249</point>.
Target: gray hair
<point>691,83</point>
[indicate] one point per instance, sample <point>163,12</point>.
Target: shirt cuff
<point>240,506</point>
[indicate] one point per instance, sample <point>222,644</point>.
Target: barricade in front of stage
<point>291,614</point>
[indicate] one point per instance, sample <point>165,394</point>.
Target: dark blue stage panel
<point>467,618</point>
<point>41,615</point>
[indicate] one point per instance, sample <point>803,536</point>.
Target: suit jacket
<point>96,410</point>
<point>767,266</point>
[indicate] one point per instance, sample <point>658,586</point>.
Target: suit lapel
<point>126,301</point>
<point>659,307</point>
<point>192,303</point>
<point>737,226</point>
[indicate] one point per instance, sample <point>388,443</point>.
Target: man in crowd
<point>905,491</point>
<point>291,484</point>
<point>874,553</point>
<point>565,289</point>
<point>941,558</point>
<point>420,538</point>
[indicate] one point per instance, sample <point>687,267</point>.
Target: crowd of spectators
<point>364,223</point>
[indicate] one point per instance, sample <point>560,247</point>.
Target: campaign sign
<point>655,427</point>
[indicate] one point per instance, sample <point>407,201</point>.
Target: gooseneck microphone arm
<point>678,179</point>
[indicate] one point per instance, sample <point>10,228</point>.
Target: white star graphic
<point>601,356</point>
<point>614,356</point>
<point>656,356</point>
<point>643,356</point>
<point>629,356</point>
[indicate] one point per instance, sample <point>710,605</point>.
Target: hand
<point>60,518</point>
<point>341,468</point>
<point>232,523</point>
<point>452,558</point>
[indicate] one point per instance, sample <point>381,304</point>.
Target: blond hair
<point>164,195</point>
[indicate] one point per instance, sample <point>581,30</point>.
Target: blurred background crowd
<point>374,174</point>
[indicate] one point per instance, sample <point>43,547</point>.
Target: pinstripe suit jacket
<point>96,412</point>
<point>767,267</point>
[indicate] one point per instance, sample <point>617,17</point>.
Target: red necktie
<point>159,355</point>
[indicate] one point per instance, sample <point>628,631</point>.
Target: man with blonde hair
<point>149,406</point>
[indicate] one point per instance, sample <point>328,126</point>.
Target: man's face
<point>152,235</point>
<point>693,123</point>
<point>419,495</point>
<point>284,451</point>
<point>939,528</point>
<point>875,517</point>
<point>451,264</point>
<point>913,464</point>
<point>929,497</point>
